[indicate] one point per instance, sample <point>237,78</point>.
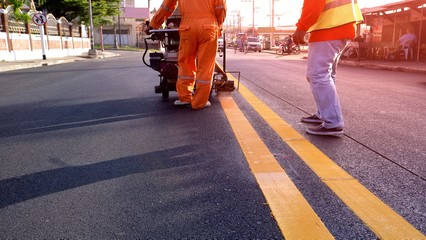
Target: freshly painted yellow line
<point>294,215</point>
<point>378,216</point>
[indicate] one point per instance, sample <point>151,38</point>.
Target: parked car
<point>253,43</point>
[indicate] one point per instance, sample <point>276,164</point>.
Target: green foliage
<point>5,3</point>
<point>103,11</point>
<point>16,5</point>
<point>40,2</point>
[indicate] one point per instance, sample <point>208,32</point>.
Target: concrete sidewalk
<point>402,66</point>
<point>16,65</point>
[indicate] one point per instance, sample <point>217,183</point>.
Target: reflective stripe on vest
<point>186,78</point>
<point>166,8</point>
<point>337,13</point>
<point>203,82</point>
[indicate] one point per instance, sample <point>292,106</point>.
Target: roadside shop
<point>383,26</point>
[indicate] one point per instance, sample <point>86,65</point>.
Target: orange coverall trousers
<point>196,60</point>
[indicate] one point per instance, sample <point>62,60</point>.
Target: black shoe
<point>322,131</point>
<point>311,119</point>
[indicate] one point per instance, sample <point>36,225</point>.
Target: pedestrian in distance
<point>243,43</point>
<point>408,38</point>
<point>331,24</point>
<point>238,45</point>
<point>199,29</point>
<point>407,43</point>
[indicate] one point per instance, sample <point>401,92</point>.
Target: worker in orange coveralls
<point>199,29</point>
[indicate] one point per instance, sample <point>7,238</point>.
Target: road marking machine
<point>165,61</point>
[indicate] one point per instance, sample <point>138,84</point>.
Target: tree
<point>16,6</point>
<point>103,10</point>
<point>5,3</point>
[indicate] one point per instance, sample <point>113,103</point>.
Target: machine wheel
<point>165,94</point>
<point>164,88</point>
<point>279,51</point>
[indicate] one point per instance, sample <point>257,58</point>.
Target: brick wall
<point>3,44</point>
<point>36,44</point>
<point>20,44</point>
<point>54,44</point>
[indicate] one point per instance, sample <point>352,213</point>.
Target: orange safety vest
<point>337,13</point>
<point>188,9</point>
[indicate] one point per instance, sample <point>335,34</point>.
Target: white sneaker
<point>208,104</point>
<point>179,103</point>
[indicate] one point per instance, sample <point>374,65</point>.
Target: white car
<point>253,43</point>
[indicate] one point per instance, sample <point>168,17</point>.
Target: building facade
<point>128,27</point>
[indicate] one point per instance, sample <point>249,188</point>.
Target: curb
<point>10,66</point>
<point>38,63</point>
<point>382,66</point>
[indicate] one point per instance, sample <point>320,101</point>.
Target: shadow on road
<point>44,117</point>
<point>22,188</point>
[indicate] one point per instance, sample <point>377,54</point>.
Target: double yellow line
<point>294,215</point>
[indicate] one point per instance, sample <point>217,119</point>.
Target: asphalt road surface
<point>89,151</point>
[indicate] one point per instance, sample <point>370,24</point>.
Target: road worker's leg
<point>186,66</point>
<point>206,62</point>
<point>321,74</point>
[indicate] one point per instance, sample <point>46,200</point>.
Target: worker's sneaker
<point>179,103</point>
<point>208,104</point>
<point>322,131</point>
<point>311,119</point>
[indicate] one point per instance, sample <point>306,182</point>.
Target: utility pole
<point>115,34</point>
<point>92,51</point>
<point>119,22</point>
<point>253,20</point>
<point>119,27</point>
<point>91,24</point>
<point>272,13</point>
<point>239,20</point>
<point>253,13</point>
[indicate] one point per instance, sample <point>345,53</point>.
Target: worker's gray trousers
<point>323,58</point>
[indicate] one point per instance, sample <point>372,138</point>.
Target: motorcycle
<point>294,48</point>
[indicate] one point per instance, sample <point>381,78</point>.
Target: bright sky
<point>286,12</point>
